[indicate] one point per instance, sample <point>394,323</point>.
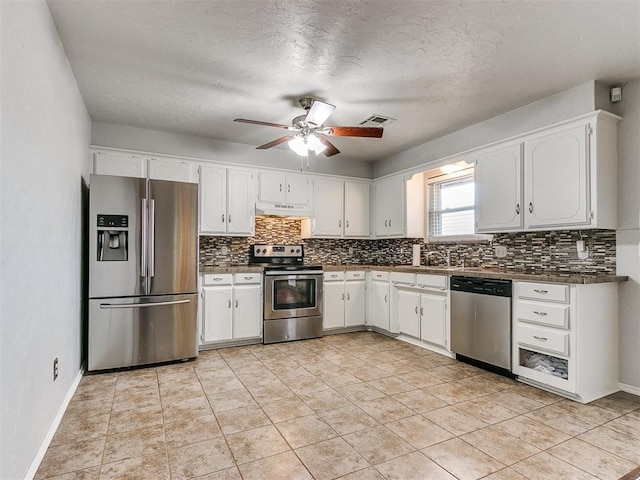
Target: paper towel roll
<point>416,255</point>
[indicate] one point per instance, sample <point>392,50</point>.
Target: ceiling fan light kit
<point>307,132</point>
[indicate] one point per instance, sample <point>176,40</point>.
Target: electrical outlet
<point>55,369</point>
<point>224,250</point>
<point>500,252</point>
<point>350,250</point>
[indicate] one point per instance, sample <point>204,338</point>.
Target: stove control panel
<point>270,251</point>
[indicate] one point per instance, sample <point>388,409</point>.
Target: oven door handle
<point>297,273</point>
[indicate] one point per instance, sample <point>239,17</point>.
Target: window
<point>451,205</point>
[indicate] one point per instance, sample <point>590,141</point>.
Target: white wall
<point>628,234</point>
<point>562,106</point>
<point>45,138</point>
<point>119,136</point>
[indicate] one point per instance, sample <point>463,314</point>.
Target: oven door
<point>292,295</point>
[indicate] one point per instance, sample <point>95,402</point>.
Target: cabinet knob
<point>530,207</point>
<point>386,223</point>
<point>421,311</point>
<point>343,296</point>
<point>339,223</point>
<point>229,306</point>
<point>385,298</point>
<point>347,223</point>
<point>223,218</point>
<point>416,309</point>
<point>518,209</point>
<point>236,303</point>
<point>348,297</point>
<point>289,188</point>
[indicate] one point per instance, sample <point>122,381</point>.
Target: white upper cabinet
<point>125,164</point>
<point>398,207</point>
<point>173,170</point>
<point>498,188</point>
<point>340,209</point>
<point>227,201</point>
<point>357,211</point>
<point>565,177</point>
<point>328,201</point>
<point>278,188</point>
<point>119,163</point>
<point>556,166</point>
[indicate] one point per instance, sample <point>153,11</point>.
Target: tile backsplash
<point>532,252</point>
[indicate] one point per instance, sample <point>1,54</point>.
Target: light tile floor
<point>355,406</point>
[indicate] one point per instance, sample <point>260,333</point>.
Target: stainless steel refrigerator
<point>143,242</point>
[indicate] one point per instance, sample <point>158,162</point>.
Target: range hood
<point>282,210</point>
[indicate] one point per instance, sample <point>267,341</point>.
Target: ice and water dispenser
<point>113,238</point>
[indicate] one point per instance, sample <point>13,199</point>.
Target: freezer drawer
<point>126,332</point>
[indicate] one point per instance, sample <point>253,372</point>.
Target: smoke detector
<point>377,121</point>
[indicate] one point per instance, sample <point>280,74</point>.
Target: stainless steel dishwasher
<point>481,322</point>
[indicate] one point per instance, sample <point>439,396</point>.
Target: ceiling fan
<point>307,132</point>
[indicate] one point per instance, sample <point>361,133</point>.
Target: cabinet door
<point>241,203</point>
<point>120,164</point>
<point>379,304</point>
<point>396,206</point>
<point>433,319</point>
<point>498,189</point>
<point>556,166</point>
<point>356,209</point>
<point>247,314</point>
<point>328,207</point>
<point>213,199</point>
<point>172,170</point>
<point>409,313</point>
<point>381,209</point>
<point>355,298</point>
<point>217,314</point>
<point>296,189</point>
<point>272,187</point>
<point>333,308</point>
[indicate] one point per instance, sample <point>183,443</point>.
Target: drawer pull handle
<point>333,276</point>
<point>540,290</point>
<point>356,274</point>
<point>248,278</point>
<point>416,309</point>
<point>378,275</point>
<point>542,314</point>
<point>542,339</point>
<point>385,299</point>
<point>217,279</point>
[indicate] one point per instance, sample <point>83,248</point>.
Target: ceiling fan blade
<point>331,148</point>
<point>275,142</point>
<point>257,122</point>
<point>373,132</point>
<point>319,112</point>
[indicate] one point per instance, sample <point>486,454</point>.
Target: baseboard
<point>52,430</point>
<point>629,389</point>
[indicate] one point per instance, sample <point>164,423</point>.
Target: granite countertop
<point>483,272</point>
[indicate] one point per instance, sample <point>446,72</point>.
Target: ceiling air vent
<point>377,121</point>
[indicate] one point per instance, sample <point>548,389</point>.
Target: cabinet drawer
<point>432,281</point>
<point>354,275</point>
<point>240,278</point>
<point>543,338</point>
<point>217,279</point>
<point>381,276</point>
<point>333,276</point>
<point>543,291</point>
<point>403,278</point>
<point>544,313</point>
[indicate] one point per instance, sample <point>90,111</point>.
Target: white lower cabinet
<point>378,300</point>
<point>420,307</point>
<point>344,299</point>
<point>231,307</point>
<point>565,338</point>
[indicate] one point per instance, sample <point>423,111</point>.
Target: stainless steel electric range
<point>292,293</point>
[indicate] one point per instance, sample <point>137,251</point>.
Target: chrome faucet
<point>446,258</point>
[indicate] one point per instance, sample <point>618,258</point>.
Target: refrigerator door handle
<point>152,237</point>
<point>104,306</point>
<point>143,247</point>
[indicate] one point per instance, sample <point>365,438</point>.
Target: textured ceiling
<point>436,66</point>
